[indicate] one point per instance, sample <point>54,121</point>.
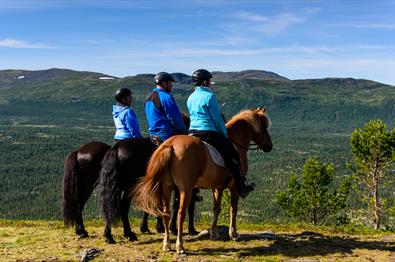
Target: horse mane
<point>250,116</point>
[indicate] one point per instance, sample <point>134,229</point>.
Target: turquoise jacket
<point>204,111</point>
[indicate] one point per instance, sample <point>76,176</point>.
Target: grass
<point>50,241</point>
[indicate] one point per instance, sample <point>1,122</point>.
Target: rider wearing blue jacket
<point>125,120</point>
<point>208,124</point>
<point>163,115</point>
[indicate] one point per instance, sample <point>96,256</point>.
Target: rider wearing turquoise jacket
<point>125,120</point>
<point>207,124</point>
<point>204,111</point>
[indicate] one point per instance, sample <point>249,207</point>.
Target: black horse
<point>81,176</point>
<point>122,166</point>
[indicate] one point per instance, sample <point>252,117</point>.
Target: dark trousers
<point>225,148</point>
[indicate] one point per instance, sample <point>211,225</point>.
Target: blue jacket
<point>126,122</point>
<point>204,111</point>
<point>163,116</point>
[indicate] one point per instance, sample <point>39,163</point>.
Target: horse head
<point>260,135</point>
<point>252,125</point>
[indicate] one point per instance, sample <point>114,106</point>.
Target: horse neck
<point>240,133</point>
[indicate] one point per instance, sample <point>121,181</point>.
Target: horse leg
<point>87,188</point>
<point>107,234</point>
<point>160,228</point>
<point>185,198</point>
<point>166,219</point>
<point>191,211</point>
<point>144,224</point>
<point>176,206</point>
<point>234,198</point>
<point>124,210</point>
<point>79,224</point>
<point>217,194</point>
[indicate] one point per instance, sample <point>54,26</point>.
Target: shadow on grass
<point>299,245</point>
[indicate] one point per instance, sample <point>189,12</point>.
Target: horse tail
<point>70,203</point>
<point>110,186</point>
<point>148,194</point>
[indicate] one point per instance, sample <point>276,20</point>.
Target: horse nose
<point>268,148</point>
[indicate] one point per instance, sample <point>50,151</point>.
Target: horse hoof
<point>82,233</point>
<point>166,247</point>
<point>235,238</point>
<point>193,232</point>
<point>132,237</point>
<point>144,230</point>
<point>110,240</point>
<point>181,252</point>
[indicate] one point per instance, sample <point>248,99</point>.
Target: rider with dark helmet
<point>163,115</point>
<point>125,120</point>
<point>208,124</point>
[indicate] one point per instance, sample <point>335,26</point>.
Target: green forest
<point>43,119</point>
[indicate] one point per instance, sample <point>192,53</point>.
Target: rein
<point>251,146</point>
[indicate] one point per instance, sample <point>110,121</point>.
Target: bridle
<point>251,146</point>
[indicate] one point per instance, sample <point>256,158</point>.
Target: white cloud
<point>389,26</point>
<point>13,43</point>
<point>266,25</point>
<point>178,51</point>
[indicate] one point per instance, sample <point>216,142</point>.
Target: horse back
<point>192,165</point>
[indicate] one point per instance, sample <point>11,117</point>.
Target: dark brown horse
<point>122,166</point>
<point>184,161</point>
<point>81,174</point>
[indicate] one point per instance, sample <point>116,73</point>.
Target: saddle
<point>215,155</point>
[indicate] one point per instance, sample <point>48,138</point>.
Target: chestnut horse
<point>184,161</point>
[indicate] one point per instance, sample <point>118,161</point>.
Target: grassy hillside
<point>41,121</point>
<point>50,241</point>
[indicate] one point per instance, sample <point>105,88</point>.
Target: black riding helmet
<point>201,75</point>
<point>163,76</point>
<point>122,93</point>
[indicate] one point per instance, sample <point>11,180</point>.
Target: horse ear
<point>258,108</point>
<point>264,110</point>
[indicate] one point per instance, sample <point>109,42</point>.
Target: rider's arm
<point>132,124</point>
<point>215,113</point>
<point>173,113</point>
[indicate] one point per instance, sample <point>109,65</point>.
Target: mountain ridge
<point>13,77</point>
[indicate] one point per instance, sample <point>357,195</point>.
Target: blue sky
<point>297,39</point>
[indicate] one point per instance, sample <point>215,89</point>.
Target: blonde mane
<point>250,116</point>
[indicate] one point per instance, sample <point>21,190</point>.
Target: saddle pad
<point>215,155</point>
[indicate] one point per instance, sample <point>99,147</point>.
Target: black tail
<point>70,189</point>
<point>110,186</point>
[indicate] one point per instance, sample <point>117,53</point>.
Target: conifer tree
<point>312,198</point>
<point>373,148</point>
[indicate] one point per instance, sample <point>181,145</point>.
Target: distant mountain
<point>340,82</point>
<point>182,78</point>
<point>66,84</point>
<point>247,74</point>
<point>14,78</point>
